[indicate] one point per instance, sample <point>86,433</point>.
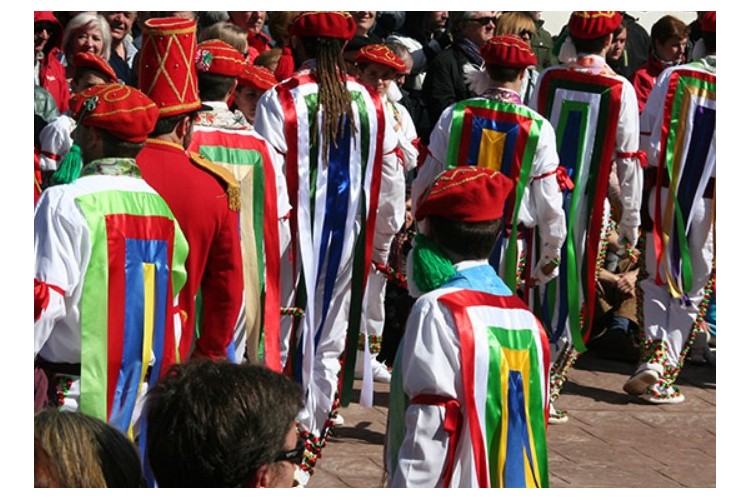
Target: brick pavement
<point>612,440</point>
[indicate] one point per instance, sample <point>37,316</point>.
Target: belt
<point>58,368</point>
<point>707,193</point>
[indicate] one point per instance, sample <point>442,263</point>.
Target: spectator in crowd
<point>123,51</point>
<point>215,424</point>
<point>637,45</point>
<point>542,43</point>
<point>252,22</point>
<point>227,32</point>
<point>444,83</point>
<point>49,73</point>
<point>85,452</point>
<point>278,27</point>
<point>669,39</point>
<point>616,51</point>
<point>86,32</point>
<point>365,20</point>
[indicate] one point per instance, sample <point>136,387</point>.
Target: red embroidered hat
<point>589,24</point>
<point>467,194</point>
<point>167,66</point>
<point>257,77</point>
<point>124,111</point>
<point>219,58</point>
<point>90,60</point>
<point>508,51</point>
<point>708,22</point>
<point>380,54</point>
<point>329,24</point>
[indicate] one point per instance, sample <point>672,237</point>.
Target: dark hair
<point>668,27</point>
<point>590,45</point>
<point>214,424</point>
<point>114,147</point>
<point>334,99</point>
<point>121,463</point>
<point>213,87</point>
<point>501,74</point>
<point>167,124</point>
<point>467,240</point>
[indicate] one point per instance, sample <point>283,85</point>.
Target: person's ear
<point>261,479</point>
<point>184,126</point>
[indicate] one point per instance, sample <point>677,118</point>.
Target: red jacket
<point>214,263</point>
<point>644,79</point>
<point>52,72</point>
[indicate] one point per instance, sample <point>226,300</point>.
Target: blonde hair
<point>70,443</point>
<point>226,32</point>
<point>513,23</point>
<point>85,21</point>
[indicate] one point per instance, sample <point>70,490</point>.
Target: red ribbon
<point>563,180</point>
<point>640,155</point>
<point>41,296</point>
<point>452,425</point>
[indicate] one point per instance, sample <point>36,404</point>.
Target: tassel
<point>431,268</point>
<point>70,168</point>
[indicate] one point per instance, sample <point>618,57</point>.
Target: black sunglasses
<point>524,33</point>
<point>484,21</point>
<point>294,456</point>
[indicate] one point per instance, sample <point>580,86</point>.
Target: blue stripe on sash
<point>137,253</point>
<point>511,129</point>
<point>514,470</point>
<point>337,205</point>
<point>704,124</point>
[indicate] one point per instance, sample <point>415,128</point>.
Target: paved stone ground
<point>612,440</point>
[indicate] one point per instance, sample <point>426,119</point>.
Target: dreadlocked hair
<point>333,98</point>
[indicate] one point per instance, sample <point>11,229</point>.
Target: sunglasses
<point>484,21</point>
<point>294,456</point>
<point>525,33</point>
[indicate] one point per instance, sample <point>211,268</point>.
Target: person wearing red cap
<point>251,83</point>
<point>334,135</point>
<point>378,66</point>
<point>680,256</point>
<point>226,138</point>
<point>595,115</point>
<point>109,263</point>
<point>57,137</point>
<point>469,393</point>
<point>203,196</point>
<point>497,131</point>
<point>49,73</point>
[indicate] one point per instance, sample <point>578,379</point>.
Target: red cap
<point>258,77</point>
<point>708,22</point>
<point>328,24</point>
<point>167,68</point>
<point>589,24</point>
<point>90,60</point>
<point>124,111</point>
<point>466,194</point>
<point>219,58</point>
<point>508,51</point>
<point>380,54</point>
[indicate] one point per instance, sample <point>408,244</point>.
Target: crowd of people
<point>237,214</point>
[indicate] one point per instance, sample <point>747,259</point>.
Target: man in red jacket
<point>203,198</point>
